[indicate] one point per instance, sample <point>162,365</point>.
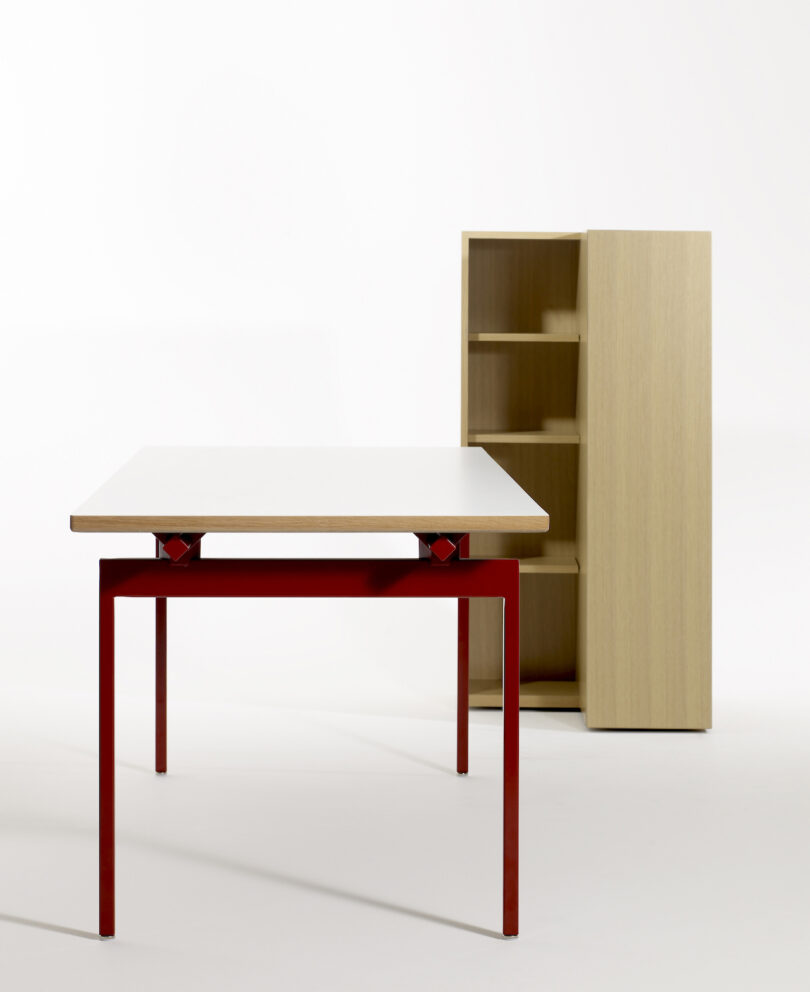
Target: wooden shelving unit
<point>607,426</point>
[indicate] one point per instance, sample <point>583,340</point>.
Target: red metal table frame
<point>442,571</point>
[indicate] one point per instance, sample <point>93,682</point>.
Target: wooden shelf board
<point>549,564</point>
<point>545,564</point>
<point>525,338</point>
<point>554,435</point>
<point>533,695</point>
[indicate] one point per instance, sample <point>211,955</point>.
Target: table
<point>179,494</point>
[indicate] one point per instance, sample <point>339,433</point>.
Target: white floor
<point>303,848</point>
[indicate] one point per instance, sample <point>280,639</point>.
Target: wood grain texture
<point>582,476</point>
<point>550,469</point>
<point>244,524</point>
<point>542,694</point>
<point>524,235</point>
<point>548,626</point>
<point>513,389</point>
<point>546,564</point>
<point>522,285</point>
<point>519,372</point>
<point>524,338</point>
<point>630,504</point>
<point>646,553</point>
<point>465,334</point>
<point>548,603</point>
<point>549,564</point>
<point>548,610</point>
<point>554,433</point>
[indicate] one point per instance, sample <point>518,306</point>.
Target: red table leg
<point>106,721</point>
<point>160,686</point>
<point>511,717</point>
<point>463,688</point>
<point>463,704</point>
<point>160,675</point>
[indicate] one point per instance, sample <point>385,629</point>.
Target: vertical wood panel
<point>465,336</point>
<point>582,477</point>
<point>647,480</point>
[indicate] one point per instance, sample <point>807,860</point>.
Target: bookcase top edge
<point>643,230</point>
<point>567,236</point>
<point>523,235</point>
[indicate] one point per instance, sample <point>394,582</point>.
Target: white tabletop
<point>189,490</point>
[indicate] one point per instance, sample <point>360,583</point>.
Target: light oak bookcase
<point>586,374</point>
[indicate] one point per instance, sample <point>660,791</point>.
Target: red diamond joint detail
<point>175,547</point>
<point>442,548</point>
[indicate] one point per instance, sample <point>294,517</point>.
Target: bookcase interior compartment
<point>548,631</point>
<point>522,387</point>
<point>523,286</point>
<point>549,474</point>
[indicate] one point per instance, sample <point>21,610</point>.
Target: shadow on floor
<point>390,749</point>
<point>279,878</point>
<point>53,927</point>
<point>309,885</point>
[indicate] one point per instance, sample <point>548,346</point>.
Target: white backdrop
<point>240,223</point>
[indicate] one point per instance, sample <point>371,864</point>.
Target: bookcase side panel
<point>465,335</point>
<point>647,484</point>
<point>582,479</point>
